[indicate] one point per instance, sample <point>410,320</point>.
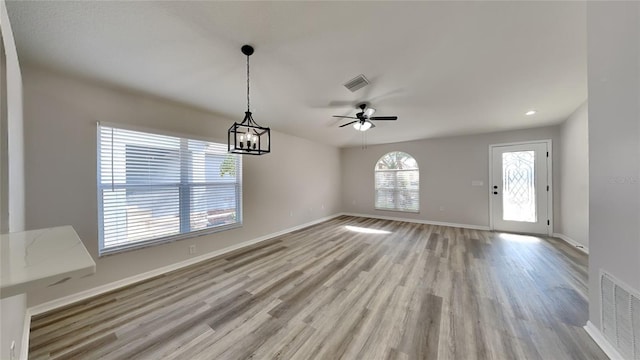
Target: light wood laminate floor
<point>327,292</point>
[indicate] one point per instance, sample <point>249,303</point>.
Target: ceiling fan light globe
<point>369,112</point>
<point>362,126</point>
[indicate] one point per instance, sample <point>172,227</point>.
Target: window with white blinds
<point>397,183</point>
<point>156,188</point>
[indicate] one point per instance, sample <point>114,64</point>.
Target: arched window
<point>397,180</point>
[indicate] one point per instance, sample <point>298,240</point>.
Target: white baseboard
<point>597,336</point>
<point>82,295</point>
<point>572,242</point>
<point>420,221</point>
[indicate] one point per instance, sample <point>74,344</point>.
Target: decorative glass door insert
<point>519,186</point>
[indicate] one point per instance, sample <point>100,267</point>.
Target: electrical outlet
<point>192,249</point>
<point>322,206</point>
<point>12,351</point>
<point>291,213</point>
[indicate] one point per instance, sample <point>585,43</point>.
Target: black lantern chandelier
<point>248,137</point>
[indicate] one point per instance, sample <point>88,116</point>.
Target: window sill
<point>166,240</point>
<point>399,210</point>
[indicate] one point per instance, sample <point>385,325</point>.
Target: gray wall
<point>12,309</point>
<point>297,183</point>
<point>613,46</point>
<point>574,177</point>
<point>447,168</point>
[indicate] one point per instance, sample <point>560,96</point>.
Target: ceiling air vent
<point>356,83</point>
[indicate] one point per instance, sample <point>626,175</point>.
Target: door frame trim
<point>549,179</point>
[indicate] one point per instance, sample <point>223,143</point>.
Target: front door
<point>520,187</point>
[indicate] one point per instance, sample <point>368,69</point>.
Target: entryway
<point>520,187</point>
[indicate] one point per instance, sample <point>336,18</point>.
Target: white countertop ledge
<point>41,258</point>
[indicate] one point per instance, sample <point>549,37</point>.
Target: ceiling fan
<point>363,119</point>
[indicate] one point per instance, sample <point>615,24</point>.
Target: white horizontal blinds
<point>156,187</point>
<point>397,183</point>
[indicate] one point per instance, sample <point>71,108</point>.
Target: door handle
<point>495,193</point>
<point>495,186</point>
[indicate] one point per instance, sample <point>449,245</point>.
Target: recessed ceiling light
<point>530,112</point>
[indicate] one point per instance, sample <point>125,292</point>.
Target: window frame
<point>395,190</point>
<point>238,184</point>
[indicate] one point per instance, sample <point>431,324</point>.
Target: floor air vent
<point>620,317</point>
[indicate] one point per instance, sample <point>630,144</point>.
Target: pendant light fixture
<point>248,137</point>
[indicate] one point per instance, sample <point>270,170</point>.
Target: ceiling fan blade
<point>349,123</point>
<point>383,118</point>
<point>372,125</point>
<point>345,117</point>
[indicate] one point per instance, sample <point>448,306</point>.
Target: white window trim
<point>166,239</point>
<point>395,189</point>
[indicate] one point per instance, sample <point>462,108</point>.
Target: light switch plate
<point>477,183</point>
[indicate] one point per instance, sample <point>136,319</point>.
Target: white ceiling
<point>444,68</point>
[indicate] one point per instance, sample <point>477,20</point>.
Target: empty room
<point>320,180</point>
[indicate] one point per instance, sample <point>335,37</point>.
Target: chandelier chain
<point>248,101</point>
